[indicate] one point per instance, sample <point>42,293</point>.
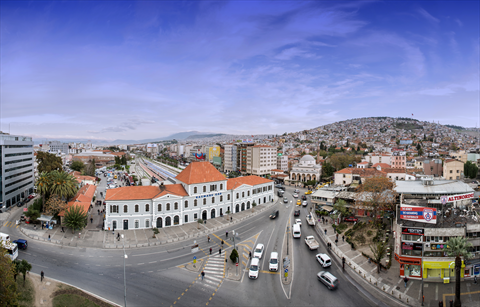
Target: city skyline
<point>139,70</point>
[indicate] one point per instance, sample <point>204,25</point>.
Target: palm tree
<point>75,217</point>
<point>43,185</point>
<point>63,184</point>
<point>457,247</point>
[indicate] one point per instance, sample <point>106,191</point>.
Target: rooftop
<point>200,172</point>
<point>441,187</point>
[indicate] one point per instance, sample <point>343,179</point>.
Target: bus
<point>12,248</point>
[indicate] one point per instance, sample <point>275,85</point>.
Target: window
<point>175,206</point>
<point>343,175</point>
<point>213,200</point>
<point>458,171</point>
<point>204,188</point>
<point>243,194</point>
<point>228,196</point>
<point>147,223</point>
<point>221,186</point>
<point>221,198</point>
<point>159,207</point>
<point>136,208</point>
<point>114,225</point>
<point>168,207</point>
<point>237,195</point>
<point>194,202</point>
<point>195,216</point>
<point>248,193</point>
<point>412,238</point>
<point>186,218</point>
<point>125,208</point>
<point>186,204</point>
<point>451,171</point>
<point>195,190</point>
<point>137,224</point>
<point>147,208</point>
<point>204,201</point>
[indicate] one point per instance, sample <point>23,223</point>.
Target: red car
<point>350,219</point>
<point>31,196</point>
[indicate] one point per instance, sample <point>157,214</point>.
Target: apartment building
<point>460,155</point>
<point>433,167</point>
<point>230,158</point>
<point>17,159</point>
<point>242,156</point>
<point>58,147</point>
<point>282,163</point>
<point>261,159</point>
<point>453,169</point>
<point>374,158</point>
<point>398,161</point>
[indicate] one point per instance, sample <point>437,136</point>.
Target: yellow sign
<point>213,151</point>
<point>194,261</point>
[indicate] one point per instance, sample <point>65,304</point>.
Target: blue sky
<point>136,70</point>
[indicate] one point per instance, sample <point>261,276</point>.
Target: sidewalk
<point>390,282</point>
<point>94,236</point>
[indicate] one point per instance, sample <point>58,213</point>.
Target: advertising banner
<point>453,198</point>
<point>418,214</point>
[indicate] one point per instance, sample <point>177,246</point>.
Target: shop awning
<point>440,264</point>
<point>327,208</point>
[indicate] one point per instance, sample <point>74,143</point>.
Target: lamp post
<point>422,267</point>
<point>124,274</point>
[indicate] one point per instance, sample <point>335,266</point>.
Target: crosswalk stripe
<point>218,280</point>
<point>213,272</point>
<point>215,265</point>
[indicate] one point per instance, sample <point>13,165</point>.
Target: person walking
<point>220,251</point>
<point>118,236</point>
<point>325,231</point>
<point>203,274</point>
<point>41,276</point>
<point>208,238</point>
<point>91,220</point>
<point>336,241</point>
<point>48,237</point>
<point>35,227</point>
<point>250,254</point>
<point>343,238</point>
<point>337,236</point>
<point>63,229</point>
<point>43,225</point>
<point>405,280</point>
<point>475,279</point>
<point>222,243</point>
<point>98,211</point>
<point>226,234</point>
<point>210,250</point>
<point>343,263</point>
<point>231,219</point>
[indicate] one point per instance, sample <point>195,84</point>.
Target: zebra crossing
<point>11,224</point>
<point>214,271</point>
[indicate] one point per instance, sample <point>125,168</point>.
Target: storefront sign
<point>453,198</point>
<point>418,214</point>
<point>412,231</point>
<point>408,260</point>
<point>412,246</point>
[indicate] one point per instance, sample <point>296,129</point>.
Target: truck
<point>311,242</point>
<point>310,220</point>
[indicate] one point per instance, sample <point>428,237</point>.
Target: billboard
<point>418,214</point>
<point>453,198</point>
<point>213,151</point>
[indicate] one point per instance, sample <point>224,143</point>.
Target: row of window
<point>213,187</point>
<point>18,146</point>
<point>18,154</point>
<point>19,174</point>
<point>434,239</point>
<point>17,181</point>
<point>17,161</point>
<point>18,188</point>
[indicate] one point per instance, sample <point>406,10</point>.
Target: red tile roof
<point>382,165</point>
<point>132,192</point>
<point>363,172</point>
<point>176,189</point>
<point>200,172</point>
<point>249,180</point>
<point>83,198</point>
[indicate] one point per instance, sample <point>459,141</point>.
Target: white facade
<point>230,158</point>
<point>282,163</point>
<point>261,159</point>
<point>306,170</point>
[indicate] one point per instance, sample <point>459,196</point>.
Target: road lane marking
<point>269,272</point>
<point>228,244</point>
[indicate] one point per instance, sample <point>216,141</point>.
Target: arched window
<point>186,204</point>
<point>204,201</point>
<point>243,194</point>
<point>213,200</point>
<point>159,207</point>
<point>125,208</point>
<point>195,190</point>
<point>147,208</point>
<point>195,202</point>
<point>221,198</point>
<point>228,196</point>
<point>176,206</point>
<point>114,225</point>
<point>204,188</point>
<point>221,186</point>
<point>136,208</point>
<point>237,195</point>
<point>168,207</point>
<point>248,193</point>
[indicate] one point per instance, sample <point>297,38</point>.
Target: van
<point>297,233</point>
<point>254,268</point>
<point>273,264</point>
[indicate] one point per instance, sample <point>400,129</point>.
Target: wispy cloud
<point>422,12</point>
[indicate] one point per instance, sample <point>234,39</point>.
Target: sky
<point>106,70</point>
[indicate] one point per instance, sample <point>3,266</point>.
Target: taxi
<point>299,202</point>
<point>308,192</point>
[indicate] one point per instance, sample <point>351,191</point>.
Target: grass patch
<point>341,227</point>
<point>26,294</point>
<point>72,300</point>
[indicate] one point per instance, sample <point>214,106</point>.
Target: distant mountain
<point>176,136</point>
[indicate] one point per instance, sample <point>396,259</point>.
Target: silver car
<point>328,280</point>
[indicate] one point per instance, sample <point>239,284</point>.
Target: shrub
<point>369,233</point>
<point>341,227</point>
<point>360,238</point>
<point>155,230</point>
<point>234,255</point>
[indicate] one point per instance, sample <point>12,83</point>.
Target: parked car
<point>350,219</point>
<point>296,213</point>
<point>274,214</point>
<point>31,196</point>
<point>278,186</point>
<point>328,280</point>
<point>258,252</point>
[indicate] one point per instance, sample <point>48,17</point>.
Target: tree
<point>8,286</point>
<point>234,256</point>
<point>117,160</point>
<point>376,194</point>
<point>63,185</point>
<point>254,204</point>
<point>90,168</point>
<point>43,185</point>
<point>327,169</point>
<point>48,162</point>
<point>32,213</point>
<point>470,170</point>
<point>75,217</point>
<point>124,160</point>
<point>77,165</point>
<point>379,250</point>
<point>340,206</point>
<point>457,247</point>
<point>54,205</point>
<point>24,267</point>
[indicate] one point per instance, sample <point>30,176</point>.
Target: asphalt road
<point>154,279</point>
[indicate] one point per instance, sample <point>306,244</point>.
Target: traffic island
<point>234,271</point>
<point>195,267</point>
<point>286,268</point>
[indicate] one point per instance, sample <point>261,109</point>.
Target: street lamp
<point>124,274</point>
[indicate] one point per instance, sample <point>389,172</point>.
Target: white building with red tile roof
<point>202,192</point>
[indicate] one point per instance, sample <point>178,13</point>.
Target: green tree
<point>457,247</point>
<point>377,194</point>
<point>8,286</point>
<point>77,165</point>
<point>327,169</point>
<point>379,250</point>
<point>54,205</point>
<point>124,160</point>
<point>32,213</point>
<point>234,255</point>
<point>75,217</point>
<point>117,160</point>
<point>63,185</point>
<point>43,185</point>
<point>48,162</point>
<point>90,168</point>
<point>341,206</point>
<point>254,204</point>
<point>470,170</point>
<point>23,267</point>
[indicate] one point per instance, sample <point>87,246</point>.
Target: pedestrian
<point>440,304</point>
<point>208,238</point>
<point>48,237</point>
<point>336,241</point>
<point>475,279</point>
<point>220,251</point>
<point>91,220</point>
<point>210,250</point>
<point>118,236</point>
<point>337,236</point>
<point>43,225</point>
<point>203,274</point>
<point>250,254</point>
<point>35,227</point>
<point>405,280</point>
<point>343,263</point>
<point>63,229</point>
<point>41,276</point>
<point>343,238</point>
<point>98,211</point>
<point>113,232</point>
<point>226,234</point>
<point>231,218</point>
<point>222,243</point>
<point>325,231</point>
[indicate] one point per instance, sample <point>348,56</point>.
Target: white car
<point>254,268</point>
<point>304,203</point>
<point>273,264</point>
<point>258,252</point>
<point>295,195</point>
<point>324,260</point>
<point>298,221</point>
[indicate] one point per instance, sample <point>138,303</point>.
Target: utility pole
<point>124,274</point>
